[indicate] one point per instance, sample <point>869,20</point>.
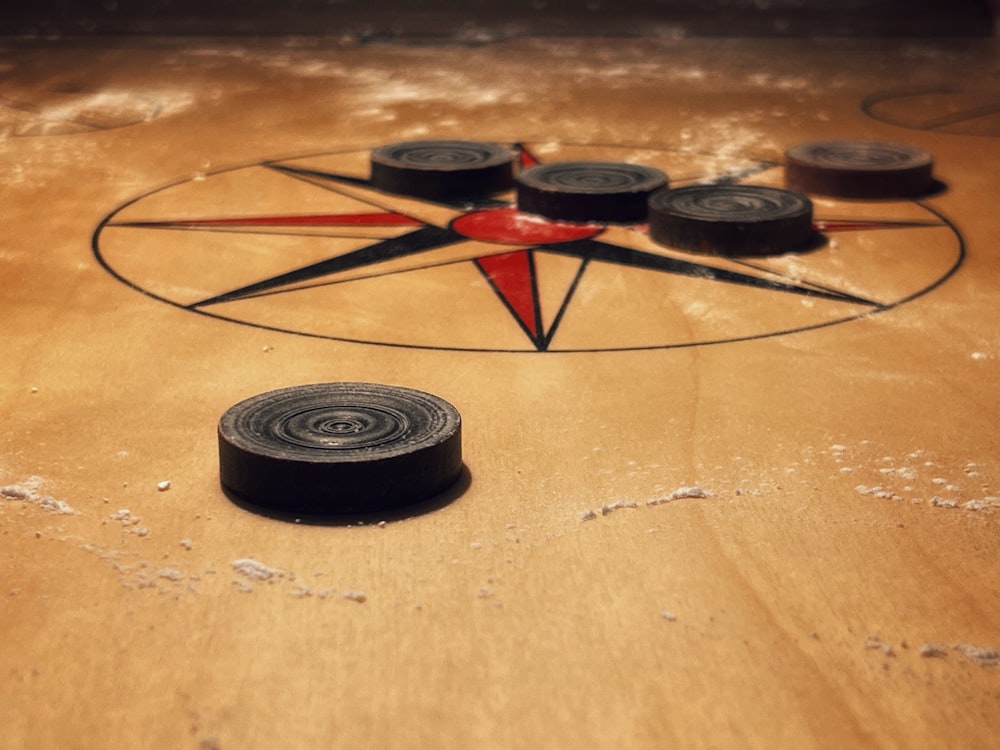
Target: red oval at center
<point>508,226</point>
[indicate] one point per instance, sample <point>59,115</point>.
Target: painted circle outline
<point>156,103</point>
<point>945,222</point>
<point>871,102</point>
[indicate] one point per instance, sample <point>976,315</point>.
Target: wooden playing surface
<point>680,527</point>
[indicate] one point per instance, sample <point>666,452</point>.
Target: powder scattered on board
<point>29,491</point>
<point>256,570</point>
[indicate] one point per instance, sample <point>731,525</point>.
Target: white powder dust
<point>874,643</point>
<point>256,570</point>
<point>612,507</point>
<point>52,505</point>
<point>101,105</point>
<point>377,86</point>
<point>130,522</point>
<point>15,492</point>
<point>781,83</point>
<point>985,503</point>
<point>908,479</point>
<point>876,491</point>
<point>29,491</point>
<point>95,110</point>
<point>984,657</point>
<point>940,502</point>
<point>681,493</point>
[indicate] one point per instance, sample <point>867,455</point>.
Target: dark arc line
<point>973,113</point>
<point>34,110</point>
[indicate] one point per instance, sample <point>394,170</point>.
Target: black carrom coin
<point>731,220</point>
<point>443,170</point>
<point>339,448</point>
<point>869,170</point>
<point>588,191</point>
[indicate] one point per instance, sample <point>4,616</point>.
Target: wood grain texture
<point>789,607</point>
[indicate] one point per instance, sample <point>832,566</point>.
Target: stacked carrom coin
<point>859,169</point>
<point>443,170</point>
<point>588,191</point>
<point>339,448</point>
<point>731,220</point>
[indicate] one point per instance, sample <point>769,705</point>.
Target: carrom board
<point>707,501</point>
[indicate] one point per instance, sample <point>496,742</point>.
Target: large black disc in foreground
<point>859,169</point>
<point>588,191</point>
<point>731,219</point>
<point>339,448</point>
<point>443,170</point>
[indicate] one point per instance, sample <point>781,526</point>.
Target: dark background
<point>480,21</point>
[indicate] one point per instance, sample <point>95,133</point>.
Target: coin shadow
<point>815,241</point>
<point>936,189</point>
<point>372,518</point>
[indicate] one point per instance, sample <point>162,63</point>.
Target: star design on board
<point>419,226</point>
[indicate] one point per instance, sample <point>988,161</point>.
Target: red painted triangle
<point>850,225</point>
<point>512,277</point>
<point>527,158</point>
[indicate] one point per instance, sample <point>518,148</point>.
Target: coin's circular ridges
<point>443,170</point>
<point>339,448</point>
<point>859,169</point>
<point>731,220</point>
<point>589,191</point>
